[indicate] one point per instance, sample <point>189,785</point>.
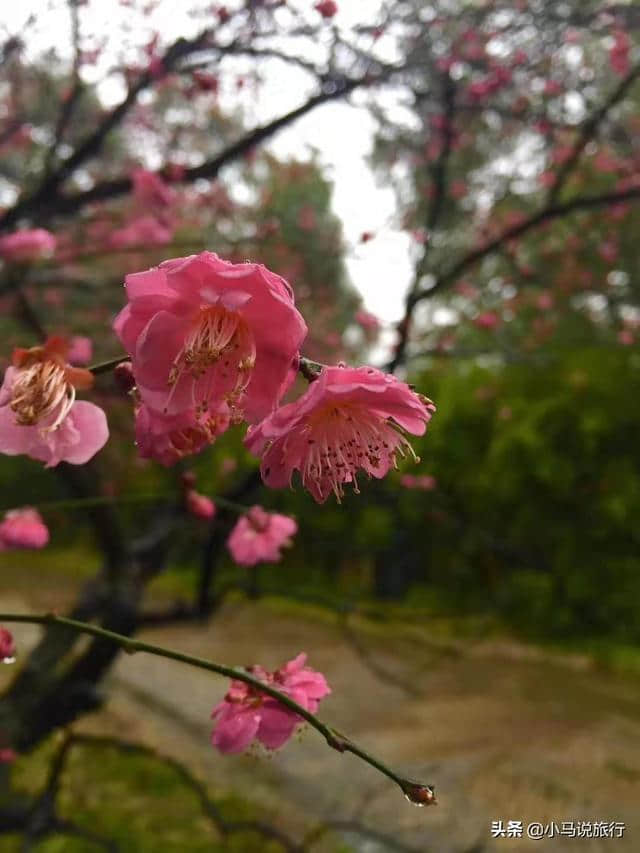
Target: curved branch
<point>49,203</point>
<point>416,792</point>
<point>589,130</point>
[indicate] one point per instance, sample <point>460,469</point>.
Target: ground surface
<point>504,731</point>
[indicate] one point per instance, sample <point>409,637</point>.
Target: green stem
<point>103,500</point>
<point>418,793</point>
<point>106,366</point>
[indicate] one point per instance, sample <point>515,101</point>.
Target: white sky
<point>381,268</point>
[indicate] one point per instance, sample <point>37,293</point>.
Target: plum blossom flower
<point>7,646</point>
<point>168,438</point>
<point>80,350</point>
<point>39,413</point>
<point>149,190</point>
<point>23,528</point>
<point>200,506</point>
<point>619,53</point>
<point>487,320</point>
<point>426,482</point>
<point>350,418</point>
<point>7,755</point>
<point>28,245</point>
<point>202,331</point>
<point>258,536</point>
<point>367,321</point>
<point>544,300</point>
<point>327,8</point>
<point>143,231</point>
<point>246,713</point>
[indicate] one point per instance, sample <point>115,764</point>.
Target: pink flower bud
<point>23,528</point>
<point>7,646</point>
<point>199,505</point>
<point>259,536</point>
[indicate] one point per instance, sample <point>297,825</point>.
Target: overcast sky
<point>342,133</point>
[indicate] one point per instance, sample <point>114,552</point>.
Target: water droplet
<point>413,802</point>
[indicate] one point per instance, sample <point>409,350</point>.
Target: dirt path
<point>503,733</point>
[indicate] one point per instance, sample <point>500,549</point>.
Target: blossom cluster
<point>214,343</point>
<point>211,344</point>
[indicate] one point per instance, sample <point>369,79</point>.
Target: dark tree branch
<point>589,131</point>
<point>45,196</point>
<point>546,214</point>
<point>65,205</point>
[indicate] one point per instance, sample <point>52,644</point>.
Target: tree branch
<point>416,792</point>
<point>589,131</point>
<point>65,205</point>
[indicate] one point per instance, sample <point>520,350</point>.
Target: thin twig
<point>417,792</point>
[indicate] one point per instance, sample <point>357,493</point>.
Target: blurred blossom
<point>149,190</point>
<point>144,231</point>
<point>544,300</point>
<point>367,321</point>
<point>487,320</point>
<point>199,506</point>
<point>228,465</point>
<point>23,528</point>
<point>619,53</point>
<point>7,646</point>
<point>80,350</point>
<point>327,8</point>
<point>426,482</point>
<point>259,536</point>
<point>28,245</point>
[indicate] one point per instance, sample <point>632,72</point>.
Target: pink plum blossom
<point>199,506</point>
<point>39,414</point>
<point>7,755</point>
<point>202,331</point>
<point>619,53</point>
<point>425,482</point>
<point>168,438</point>
<point>367,321</point>
<point>608,251</point>
<point>327,8</point>
<point>23,528</point>
<point>487,320</point>
<point>149,190</point>
<point>626,337</point>
<point>144,231</point>
<point>350,418</point>
<point>80,350</point>
<point>246,713</point>
<point>258,537</point>
<point>28,245</point>
<point>544,300</point>
<point>7,645</point>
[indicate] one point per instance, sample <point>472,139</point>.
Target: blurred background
<point>451,188</point>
